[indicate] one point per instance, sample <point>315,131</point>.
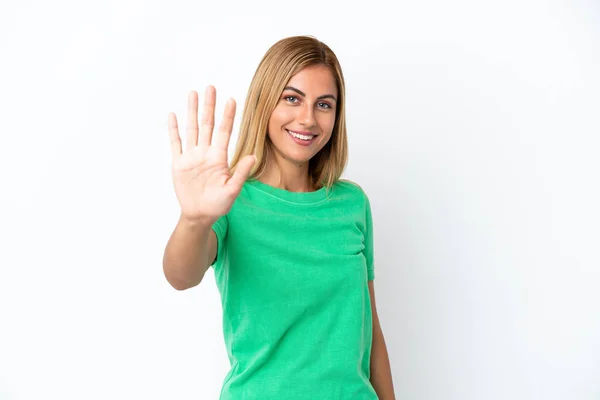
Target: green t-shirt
<point>292,271</point>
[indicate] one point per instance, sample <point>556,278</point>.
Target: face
<point>303,120</point>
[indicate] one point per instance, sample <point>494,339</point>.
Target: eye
<point>291,99</point>
<point>324,105</point>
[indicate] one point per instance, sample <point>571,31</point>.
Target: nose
<point>306,115</point>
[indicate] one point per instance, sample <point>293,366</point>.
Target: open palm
<point>204,186</point>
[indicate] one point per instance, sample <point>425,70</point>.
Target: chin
<point>297,158</point>
<point>301,155</point>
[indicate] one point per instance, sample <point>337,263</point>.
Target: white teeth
<point>299,136</point>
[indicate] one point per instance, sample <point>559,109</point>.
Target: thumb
<point>241,173</point>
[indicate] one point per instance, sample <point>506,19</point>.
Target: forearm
<point>381,374</point>
<point>185,258</point>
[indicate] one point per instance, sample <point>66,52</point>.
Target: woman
<point>291,244</point>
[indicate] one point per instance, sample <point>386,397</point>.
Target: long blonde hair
<point>283,60</point>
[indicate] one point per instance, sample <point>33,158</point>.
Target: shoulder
<point>352,187</point>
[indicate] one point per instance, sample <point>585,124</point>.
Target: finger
<point>222,139</point>
<point>174,135</point>
<point>192,122</point>
<point>241,174</point>
<point>208,116</point>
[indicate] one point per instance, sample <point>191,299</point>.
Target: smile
<point>301,136</point>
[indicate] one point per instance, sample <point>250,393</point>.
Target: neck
<point>287,175</point>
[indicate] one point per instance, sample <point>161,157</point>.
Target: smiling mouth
<point>300,136</point>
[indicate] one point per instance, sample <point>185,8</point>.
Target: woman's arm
<point>189,252</point>
<point>381,373</point>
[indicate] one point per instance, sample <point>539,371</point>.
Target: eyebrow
<point>301,93</point>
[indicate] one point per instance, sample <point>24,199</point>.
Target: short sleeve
<point>368,250</point>
<point>220,228</point>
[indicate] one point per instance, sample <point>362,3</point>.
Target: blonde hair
<point>283,60</point>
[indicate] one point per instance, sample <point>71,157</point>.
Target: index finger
<point>222,139</point>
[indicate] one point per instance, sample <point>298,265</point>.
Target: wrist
<point>196,223</point>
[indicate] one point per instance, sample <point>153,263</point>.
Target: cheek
<point>327,122</point>
<point>274,123</point>
<point>281,116</point>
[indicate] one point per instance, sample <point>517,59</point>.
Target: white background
<point>473,127</point>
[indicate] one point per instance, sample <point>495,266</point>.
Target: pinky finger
<point>174,135</point>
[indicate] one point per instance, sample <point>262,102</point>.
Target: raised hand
<point>203,183</point>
